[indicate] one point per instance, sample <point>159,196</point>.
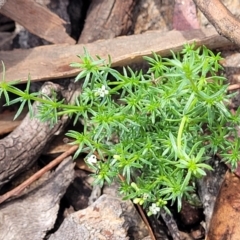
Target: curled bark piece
<point>21,148</point>
<point>221,18</point>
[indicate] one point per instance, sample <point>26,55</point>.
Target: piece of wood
<point>21,148</point>
<point>114,18</point>
<point>221,18</point>
<point>34,213</point>
<point>19,189</point>
<point>37,20</point>
<point>108,217</point>
<point>208,187</point>
<point>225,221</point>
<point>51,62</point>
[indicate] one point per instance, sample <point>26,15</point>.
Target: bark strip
<point>37,19</point>
<point>52,62</point>
<point>221,18</point>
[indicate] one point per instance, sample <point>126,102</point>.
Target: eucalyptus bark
<point>107,19</point>
<point>221,18</point>
<point>31,215</point>
<point>21,148</point>
<point>37,19</point>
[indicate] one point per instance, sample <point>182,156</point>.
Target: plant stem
<point>180,132</point>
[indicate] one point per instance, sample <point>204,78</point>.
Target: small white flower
<point>154,209</point>
<point>92,160</point>
<point>102,91</point>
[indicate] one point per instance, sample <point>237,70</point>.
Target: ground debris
<point>107,218</point>
<point>34,213</point>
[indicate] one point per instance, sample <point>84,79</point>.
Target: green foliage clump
<point>154,130</point>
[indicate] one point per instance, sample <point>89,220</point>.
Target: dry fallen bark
<point>52,62</point>
<point>18,190</point>
<point>33,214</point>
<point>208,188</point>
<point>38,20</point>
<point>108,217</point>
<point>225,220</point>
<point>21,148</point>
<point>221,18</point>
<point>107,19</point>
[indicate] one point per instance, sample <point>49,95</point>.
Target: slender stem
<point>33,98</point>
<point>118,87</point>
<point>180,132</point>
<point>42,100</point>
<point>193,84</point>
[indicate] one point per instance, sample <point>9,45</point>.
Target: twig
<point>16,191</point>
